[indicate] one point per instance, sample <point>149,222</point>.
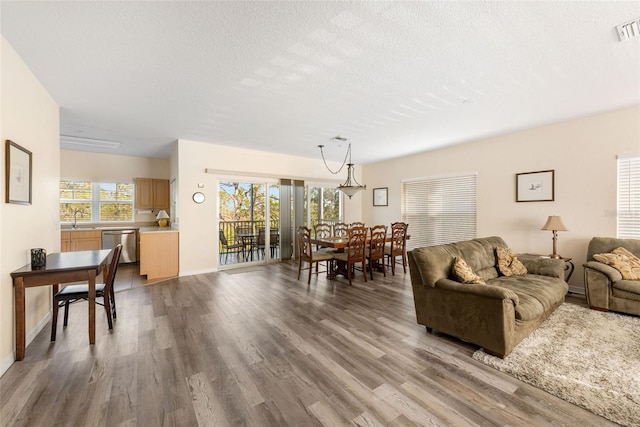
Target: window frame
<point>628,197</point>
<point>96,202</point>
<point>447,198</point>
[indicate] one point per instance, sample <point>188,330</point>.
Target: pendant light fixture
<point>351,186</point>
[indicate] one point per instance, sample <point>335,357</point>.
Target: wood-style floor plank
<point>256,347</point>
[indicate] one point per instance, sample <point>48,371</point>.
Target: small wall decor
<point>535,186</point>
<point>380,196</point>
<point>198,197</point>
<point>17,174</point>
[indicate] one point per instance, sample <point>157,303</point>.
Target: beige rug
<point>586,357</point>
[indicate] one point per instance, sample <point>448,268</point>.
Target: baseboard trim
<point>576,290</point>
<point>6,363</point>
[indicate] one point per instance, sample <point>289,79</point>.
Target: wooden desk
<point>63,267</point>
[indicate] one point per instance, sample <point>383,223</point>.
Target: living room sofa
<point>604,285</point>
<point>495,316</point>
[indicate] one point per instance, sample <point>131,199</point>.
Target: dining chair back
<point>307,254</point>
<point>261,243</point>
<point>356,224</point>
<point>225,247</point>
<point>398,246</point>
<point>274,241</point>
<point>375,250</point>
<point>340,229</point>
<point>72,293</point>
<point>322,231</point>
<point>355,252</point>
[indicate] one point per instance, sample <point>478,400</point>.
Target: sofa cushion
<point>628,289</point>
<point>628,267</point>
<point>508,263</point>
<point>465,274</point>
<point>536,294</point>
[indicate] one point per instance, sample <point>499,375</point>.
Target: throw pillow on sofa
<point>622,260</point>
<point>465,274</point>
<point>508,263</point>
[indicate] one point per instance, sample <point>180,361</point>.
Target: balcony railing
<point>249,251</point>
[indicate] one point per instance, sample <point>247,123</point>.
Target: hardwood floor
<point>260,348</point>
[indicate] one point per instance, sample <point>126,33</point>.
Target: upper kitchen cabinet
<point>152,193</point>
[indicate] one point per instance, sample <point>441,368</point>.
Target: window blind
<point>440,210</point>
<point>629,198</point>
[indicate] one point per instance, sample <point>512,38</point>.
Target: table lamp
<point>163,218</point>
<point>554,223</point>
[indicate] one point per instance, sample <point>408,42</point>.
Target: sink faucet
<point>75,219</point>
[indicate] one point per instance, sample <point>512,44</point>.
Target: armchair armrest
<point>544,266</point>
<point>480,290</point>
<point>612,274</point>
<point>598,277</point>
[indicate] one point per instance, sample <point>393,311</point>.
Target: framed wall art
<point>18,174</point>
<point>380,196</point>
<point>535,186</point>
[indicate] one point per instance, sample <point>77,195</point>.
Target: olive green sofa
<point>603,284</point>
<point>495,316</point>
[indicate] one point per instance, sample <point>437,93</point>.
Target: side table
<point>568,264</point>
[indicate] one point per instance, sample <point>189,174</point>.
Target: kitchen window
<point>95,202</point>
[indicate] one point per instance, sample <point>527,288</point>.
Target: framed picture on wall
<point>17,174</point>
<point>380,197</point>
<point>535,186</point>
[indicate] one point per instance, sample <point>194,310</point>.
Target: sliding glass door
<point>249,221</point>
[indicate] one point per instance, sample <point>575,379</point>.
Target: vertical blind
<point>440,210</point>
<point>629,198</point>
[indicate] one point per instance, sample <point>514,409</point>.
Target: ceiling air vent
<point>629,30</point>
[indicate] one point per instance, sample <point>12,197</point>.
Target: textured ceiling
<point>393,77</point>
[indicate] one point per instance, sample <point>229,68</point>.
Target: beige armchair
<point>605,288</point>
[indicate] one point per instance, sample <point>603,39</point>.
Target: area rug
<point>586,357</point>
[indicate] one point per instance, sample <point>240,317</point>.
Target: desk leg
<point>92,307</point>
<point>19,312</point>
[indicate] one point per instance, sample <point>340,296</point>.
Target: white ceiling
<point>393,77</point>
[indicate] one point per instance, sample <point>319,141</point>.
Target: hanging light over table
<point>351,186</point>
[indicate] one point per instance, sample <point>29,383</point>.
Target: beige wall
<point>29,117</point>
<point>198,224</point>
<point>583,154</point>
<point>82,165</point>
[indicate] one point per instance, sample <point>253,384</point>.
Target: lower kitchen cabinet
<point>80,240</point>
<point>159,256</point>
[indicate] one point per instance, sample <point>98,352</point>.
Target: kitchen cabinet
<point>152,193</point>
<point>80,240</point>
<point>159,256</point>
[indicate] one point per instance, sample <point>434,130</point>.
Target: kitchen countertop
<point>156,229</point>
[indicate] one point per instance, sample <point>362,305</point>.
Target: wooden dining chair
<point>72,293</point>
<point>340,229</point>
<point>307,254</point>
<point>355,252</point>
<point>398,246</point>
<point>356,224</point>
<point>375,250</point>
<point>322,231</point>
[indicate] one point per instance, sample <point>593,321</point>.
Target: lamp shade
<point>554,223</point>
<point>162,215</point>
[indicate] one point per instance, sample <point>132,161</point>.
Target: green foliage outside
<point>113,201</point>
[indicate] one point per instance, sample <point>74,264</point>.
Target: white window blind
<point>440,210</point>
<point>629,198</point>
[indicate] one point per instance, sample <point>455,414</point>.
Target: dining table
<point>59,268</point>
<point>340,244</point>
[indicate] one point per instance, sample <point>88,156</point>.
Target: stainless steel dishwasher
<point>127,237</point>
